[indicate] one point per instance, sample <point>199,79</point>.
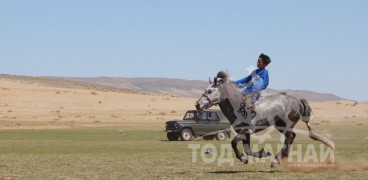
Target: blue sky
<point>315,45</point>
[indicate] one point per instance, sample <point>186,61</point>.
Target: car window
<point>204,116</point>
<point>212,116</point>
<point>190,116</point>
<point>209,116</point>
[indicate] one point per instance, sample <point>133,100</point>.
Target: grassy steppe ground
<point>128,153</point>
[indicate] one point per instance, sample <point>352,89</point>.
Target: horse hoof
<point>274,164</point>
<point>244,160</point>
<point>268,153</point>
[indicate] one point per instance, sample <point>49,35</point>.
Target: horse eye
<point>210,91</point>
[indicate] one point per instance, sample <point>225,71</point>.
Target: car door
<point>213,124</point>
<point>201,126</point>
<point>204,124</point>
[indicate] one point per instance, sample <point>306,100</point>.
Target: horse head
<point>211,95</point>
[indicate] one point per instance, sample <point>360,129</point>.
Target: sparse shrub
<point>114,116</point>
<point>94,93</point>
<point>173,112</point>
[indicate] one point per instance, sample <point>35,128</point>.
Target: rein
<point>212,102</point>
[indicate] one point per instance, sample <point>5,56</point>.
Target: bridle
<point>213,101</point>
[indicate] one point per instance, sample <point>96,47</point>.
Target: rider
<point>255,82</point>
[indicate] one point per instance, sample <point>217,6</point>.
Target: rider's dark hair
<point>222,74</point>
<point>266,60</point>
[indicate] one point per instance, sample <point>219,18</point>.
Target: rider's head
<point>263,61</point>
<point>222,74</point>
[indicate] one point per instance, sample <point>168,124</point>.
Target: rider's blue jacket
<point>259,78</point>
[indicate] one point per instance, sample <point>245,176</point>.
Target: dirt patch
<point>339,165</point>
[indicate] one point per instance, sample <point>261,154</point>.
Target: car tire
<point>173,136</point>
<point>186,135</point>
<point>221,136</point>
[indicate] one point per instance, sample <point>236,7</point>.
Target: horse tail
<point>313,134</point>
<point>319,136</point>
<point>306,111</point>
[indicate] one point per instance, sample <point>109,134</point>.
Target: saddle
<point>247,105</point>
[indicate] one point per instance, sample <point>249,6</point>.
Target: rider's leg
<point>249,120</point>
<point>248,110</point>
<point>251,96</point>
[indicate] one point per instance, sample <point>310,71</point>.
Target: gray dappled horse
<point>279,110</point>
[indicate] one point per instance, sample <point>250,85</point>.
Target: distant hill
<point>311,96</point>
<point>177,87</point>
<point>187,88</point>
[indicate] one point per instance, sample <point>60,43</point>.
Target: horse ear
<point>210,80</point>
<point>215,80</point>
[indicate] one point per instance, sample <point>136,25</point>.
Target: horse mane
<point>232,89</point>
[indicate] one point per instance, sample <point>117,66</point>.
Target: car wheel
<point>173,136</point>
<point>186,135</point>
<point>221,136</point>
<point>209,137</point>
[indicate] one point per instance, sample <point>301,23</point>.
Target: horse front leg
<point>248,151</point>
<point>238,154</point>
<point>284,153</point>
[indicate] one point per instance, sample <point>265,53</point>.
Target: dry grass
<point>142,151</point>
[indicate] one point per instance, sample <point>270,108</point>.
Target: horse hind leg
<point>284,152</point>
